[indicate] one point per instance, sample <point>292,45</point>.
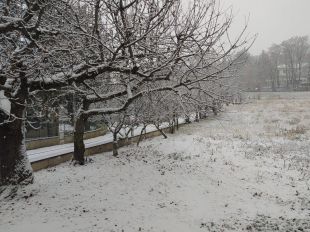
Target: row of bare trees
<point>126,62</point>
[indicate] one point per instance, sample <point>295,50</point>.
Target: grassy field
<point>246,170</point>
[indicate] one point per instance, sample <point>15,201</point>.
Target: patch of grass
<point>294,121</point>
<point>293,133</point>
<point>307,116</point>
<point>275,120</point>
<point>239,134</point>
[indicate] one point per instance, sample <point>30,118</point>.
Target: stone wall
<point>53,161</point>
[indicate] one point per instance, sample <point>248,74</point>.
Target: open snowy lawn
<point>247,170</point>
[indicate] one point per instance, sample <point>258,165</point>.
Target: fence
<point>45,133</point>
<point>39,130</point>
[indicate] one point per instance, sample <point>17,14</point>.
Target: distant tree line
<point>284,66</point>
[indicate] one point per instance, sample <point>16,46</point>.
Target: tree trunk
<point>197,116</point>
<point>132,132</point>
<point>79,129</point>
<point>141,135</point>
<point>214,108</point>
<point>15,167</point>
<point>187,119</point>
<point>161,131</point>
<point>79,146</point>
<point>115,144</point>
<point>172,127</point>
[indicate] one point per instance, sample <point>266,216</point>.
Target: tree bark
<point>115,144</point>
<point>141,135</point>
<point>187,119</point>
<point>161,131</point>
<point>214,108</point>
<point>197,116</point>
<point>79,129</point>
<point>79,146</point>
<point>15,167</point>
<point>172,127</point>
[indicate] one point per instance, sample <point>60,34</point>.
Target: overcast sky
<point>273,20</point>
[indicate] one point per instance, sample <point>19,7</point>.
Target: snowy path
<point>52,151</point>
<point>245,171</point>
<point>57,150</point>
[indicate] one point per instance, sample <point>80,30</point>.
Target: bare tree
<point>275,59</point>
<point>166,42</point>
<point>109,54</point>
<point>294,52</point>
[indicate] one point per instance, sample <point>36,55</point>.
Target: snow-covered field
<point>247,170</point>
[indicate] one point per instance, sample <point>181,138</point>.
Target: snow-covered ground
<point>247,170</point>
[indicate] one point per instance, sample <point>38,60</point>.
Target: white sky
<point>273,20</point>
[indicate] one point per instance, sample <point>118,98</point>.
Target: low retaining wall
<point>53,161</point>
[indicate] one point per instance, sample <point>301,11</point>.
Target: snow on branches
<point>114,55</point>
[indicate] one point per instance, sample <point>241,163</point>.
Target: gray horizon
<point>273,20</point>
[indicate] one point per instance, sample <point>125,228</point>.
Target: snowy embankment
<point>58,150</point>
<point>246,170</point>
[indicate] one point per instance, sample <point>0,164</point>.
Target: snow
<point>57,150</point>
<point>247,170</point>
<point>5,104</point>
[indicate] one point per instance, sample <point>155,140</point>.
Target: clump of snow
<point>232,173</point>
<point>23,170</point>
<point>5,104</point>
